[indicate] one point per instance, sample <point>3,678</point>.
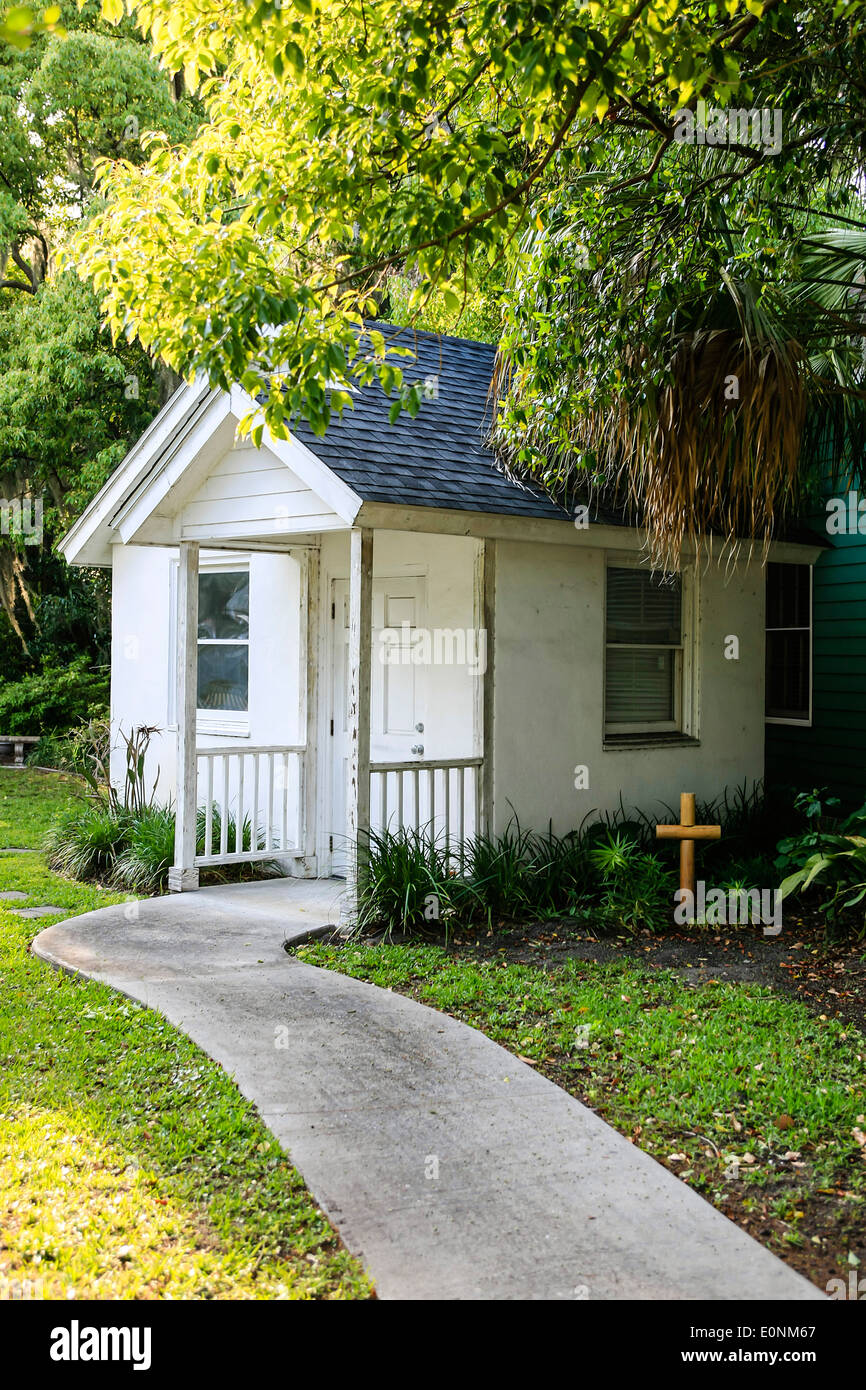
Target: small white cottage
<point>381,628</point>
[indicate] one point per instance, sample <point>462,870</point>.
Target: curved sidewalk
<point>449,1167</point>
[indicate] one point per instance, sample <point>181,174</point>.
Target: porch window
<point>788,689</point>
<point>223,640</point>
<point>643,681</point>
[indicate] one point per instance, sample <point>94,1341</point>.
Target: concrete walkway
<point>449,1167</point>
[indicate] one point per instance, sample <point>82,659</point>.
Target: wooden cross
<point>687,832</point>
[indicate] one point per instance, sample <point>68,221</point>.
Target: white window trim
<point>225,724</point>
<point>777,719</point>
<point>685,722</point>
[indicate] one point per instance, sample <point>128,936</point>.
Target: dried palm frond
<point>712,439</point>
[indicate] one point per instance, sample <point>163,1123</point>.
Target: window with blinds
<point>788,688</point>
<point>643,651</point>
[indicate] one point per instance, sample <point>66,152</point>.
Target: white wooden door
<point>398,689</point>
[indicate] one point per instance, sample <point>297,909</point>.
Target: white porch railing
<point>441,798</point>
<point>253,800</point>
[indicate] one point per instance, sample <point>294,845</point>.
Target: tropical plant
<point>840,867</point>
<point>830,853</point>
<point>825,827</point>
<point>680,388</point>
<point>636,887</point>
<point>412,882</point>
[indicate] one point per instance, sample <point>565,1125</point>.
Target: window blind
<point>644,631</point>
<point>639,686</point>
<point>642,607</point>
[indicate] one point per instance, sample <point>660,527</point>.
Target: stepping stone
<point>45,911</point>
<point>12,895</point>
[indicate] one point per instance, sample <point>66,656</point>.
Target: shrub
<point>52,750</point>
<point>503,870</point>
<point>636,887</point>
<point>829,853</point>
<point>409,882</point>
<point>403,882</point>
<point>842,869</point>
<point>564,871</point>
<point>133,847</point>
<point>825,830</point>
<point>87,838</point>
<point>84,750</point>
<point>231,832</point>
<point>147,853</point>
<point>53,699</point>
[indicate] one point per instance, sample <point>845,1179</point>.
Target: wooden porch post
<point>183,875</point>
<point>488,624</point>
<point>310,708</point>
<point>360,657</point>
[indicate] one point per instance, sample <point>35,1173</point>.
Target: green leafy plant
<point>147,851</point>
<point>636,887</point>
<point>839,866</point>
<point>136,796</point>
<point>403,883</point>
<point>231,832</point>
<point>830,853</point>
<point>52,751</point>
<point>824,830</point>
<point>504,870</point>
<point>55,698</point>
<point>87,839</point>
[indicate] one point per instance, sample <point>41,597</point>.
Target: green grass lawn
<point>130,1165</point>
<point>741,1092</point>
<point>29,801</point>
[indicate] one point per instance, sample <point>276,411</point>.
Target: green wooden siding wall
<point>832,753</point>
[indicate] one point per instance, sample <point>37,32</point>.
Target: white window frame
<point>685,721</point>
<point>805,723</point>
<point>225,723</point>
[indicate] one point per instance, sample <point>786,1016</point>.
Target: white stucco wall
<point>549,704</point>
<point>548,671</point>
<point>140,643</point>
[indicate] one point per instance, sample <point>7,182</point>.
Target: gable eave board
<point>89,540</point>
<point>198,447</point>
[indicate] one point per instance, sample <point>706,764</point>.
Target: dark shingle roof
<point>439,459</point>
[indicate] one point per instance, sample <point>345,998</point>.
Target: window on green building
<point>789,644</point>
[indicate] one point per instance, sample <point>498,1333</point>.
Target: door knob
<point>418,748</point>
